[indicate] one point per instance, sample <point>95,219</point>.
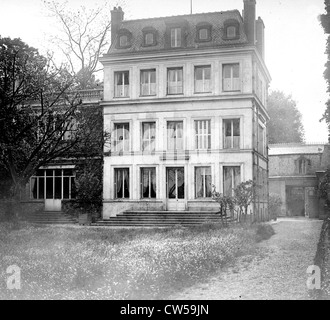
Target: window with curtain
<point>175,135</point>
<point>231,179</point>
<point>148,183</point>
<point>121,183</point>
<point>176,37</point>
<point>203,182</point>
<point>121,84</point>
<point>203,134</point>
<point>202,79</point>
<point>148,82</point>
<point>231,128</point>
<point>175,81</point>
<point>231,77</point>
<point>121,137</point>
<point>148,136</point>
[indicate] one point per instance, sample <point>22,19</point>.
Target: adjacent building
<point>294,173</point>
<point>185,100</point>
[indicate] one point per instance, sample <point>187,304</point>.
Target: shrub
<point>264,232</point>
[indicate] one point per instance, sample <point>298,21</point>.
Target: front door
<point>295,200</point>
<point>175,189</point>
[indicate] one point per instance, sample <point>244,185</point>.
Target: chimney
<point>260,31</point>
<point>117,16</point>
<point>249,16</point>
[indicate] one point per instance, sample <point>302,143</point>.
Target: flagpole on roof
<point>190,6</point>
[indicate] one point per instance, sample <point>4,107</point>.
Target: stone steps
<point>160,219</point>
<point>49,217</point>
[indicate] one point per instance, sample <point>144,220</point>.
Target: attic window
<point>231,29</point>
<point>124,39</point>
<point>149,37</point>
<point>203,32</point>
<point>176,33</point>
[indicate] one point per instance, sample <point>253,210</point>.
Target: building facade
<point>185,102</point>
<point>55,182</point>
<point>294,173</point>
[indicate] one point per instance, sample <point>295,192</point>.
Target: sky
<point>294,41</point>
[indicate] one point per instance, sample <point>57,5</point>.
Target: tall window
<point>121,186</point>
<point>261,140</point>
<point>231,78</point>
<point>175,135</point>
<point>231,135</point>
<point>148,136</point>
<point>203,79</point>
<point>148,183</point>
<point>121,141</point>
<point>176,37</point>
<point>53,184</point>
<point>203,182</point>
<point>148,82</point>
<point>231,179</point>
<point>203,134</point>
<point>175,81</point>
<point>121,84</point>
<point>303,165</point>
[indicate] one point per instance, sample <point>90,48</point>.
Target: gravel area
<point>276,272</point>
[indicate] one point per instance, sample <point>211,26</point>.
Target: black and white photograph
<point>170,151</point>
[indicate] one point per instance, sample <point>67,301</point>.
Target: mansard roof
<point>190,24</point>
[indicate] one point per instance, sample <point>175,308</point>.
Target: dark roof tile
<point>216,19</point>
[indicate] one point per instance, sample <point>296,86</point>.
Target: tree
<point>83,37</point>
<point>225,203</point>
<point>245,193</point>
<point>285,124</point>
<point>36,111</point>
<point>325,22</point>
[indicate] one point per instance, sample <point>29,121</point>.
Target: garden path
<point>278,271</point>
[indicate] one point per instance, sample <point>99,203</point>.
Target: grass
<point>101,263</point>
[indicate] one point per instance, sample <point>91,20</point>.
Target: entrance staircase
<point>160,219</point>
<point>49,217</point>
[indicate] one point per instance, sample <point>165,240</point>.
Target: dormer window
<point>124,39</point>
<point>149,36</point>
<point>203,32</point>
<point>231,29</point>
<point>149,39</point>
<point>176,33</point>
<point>231,32</point>
<point>176,37</point>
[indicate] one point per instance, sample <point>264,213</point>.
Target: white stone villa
<point>185,101</point>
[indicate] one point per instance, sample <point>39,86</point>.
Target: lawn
<point>65,262</point>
